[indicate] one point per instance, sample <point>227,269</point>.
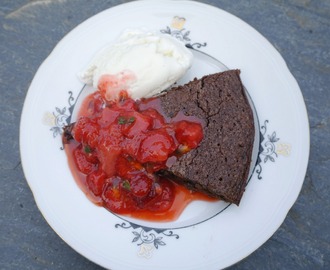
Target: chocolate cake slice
<point>220,165</point>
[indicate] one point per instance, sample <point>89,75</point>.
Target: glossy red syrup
<point>118,147</point>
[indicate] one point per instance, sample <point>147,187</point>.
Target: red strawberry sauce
<point>119,146</point>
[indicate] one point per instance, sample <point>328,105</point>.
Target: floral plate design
<point>207,235</point>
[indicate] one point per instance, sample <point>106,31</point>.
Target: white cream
<point>151,61</point>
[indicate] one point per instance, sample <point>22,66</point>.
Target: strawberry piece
<point>164,200</point>
<point>189,133</point>
<point>131,146</point>
<point>86,131</point>
<point>109,148</point>
<point>108,157</point>
<point>134,123</point>
<point>141,185</point>
<point>158,119</point>
<point>82,162</point>
<point>126,103</point>
<point>98,103</point>
<point>156,147</point>
<point>115,197</point>
<point>90,154</point>
<point>108,117</point>
<point>126,167</point>
<point>95,181</point>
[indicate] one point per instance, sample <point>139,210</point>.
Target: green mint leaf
<point>131,120</point>
<point>87,149</point>
<point>126,185</point>
<point>122,120</point>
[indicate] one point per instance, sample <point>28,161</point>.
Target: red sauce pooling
<point>118,147</point>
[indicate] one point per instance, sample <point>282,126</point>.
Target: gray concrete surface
<point>299,29</point>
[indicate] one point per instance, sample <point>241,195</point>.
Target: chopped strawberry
<point>108,117</point>
<point>126,167</point>
<point>82,162</point>
<point>116,198</point>
<point>164,200</point>
<point>189,133</point>
<point>131,146</point>
<point>134,123</point>
<point>158,119</point>
<point>141,185</point>
<point>95,181</point>
<point>156,147</point>
<point>86,131</point>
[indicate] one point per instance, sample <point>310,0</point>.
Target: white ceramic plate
<point>207,235</point>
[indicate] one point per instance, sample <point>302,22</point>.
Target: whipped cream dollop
<point>143,63</point>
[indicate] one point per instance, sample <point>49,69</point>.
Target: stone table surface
<point>300,31</point>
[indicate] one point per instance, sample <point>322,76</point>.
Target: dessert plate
<point>207,235</point>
